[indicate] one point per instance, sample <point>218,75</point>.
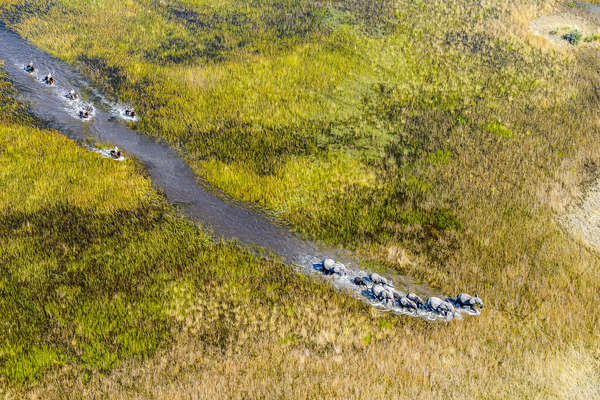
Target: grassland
<point>97,269</point>
<point>439,138</point>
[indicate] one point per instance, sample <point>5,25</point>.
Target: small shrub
<point>573,37</point>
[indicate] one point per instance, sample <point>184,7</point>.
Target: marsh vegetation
<point>439,138</point>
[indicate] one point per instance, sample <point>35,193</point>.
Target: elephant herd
<point>383,291</point>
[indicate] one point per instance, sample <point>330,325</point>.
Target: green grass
<point>313,90</point>
<point>439,140</point>
<point>65,229</point>
<point>498,129</point>
<point>91,259</point>
<point>260,96</point>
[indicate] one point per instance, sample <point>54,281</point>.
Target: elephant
<point>466,300</point>
<point>358,281</point>
<point>416,299</point>
<point>378,279</point>
<point>382,293</point>
<point>440,306</point>
<point>407,303</point>
<point>332,267</point>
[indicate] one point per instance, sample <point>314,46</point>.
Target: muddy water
<point>168,172</point>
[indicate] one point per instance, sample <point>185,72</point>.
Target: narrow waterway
<point>168,172</point>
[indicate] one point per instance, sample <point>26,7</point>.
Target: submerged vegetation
<point>436,137</point>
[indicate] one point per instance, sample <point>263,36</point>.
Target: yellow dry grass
<point>538,336</point>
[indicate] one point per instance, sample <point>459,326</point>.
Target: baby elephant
<point>440,306</point>
<point>466,300</point>
<point>358,281</point>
